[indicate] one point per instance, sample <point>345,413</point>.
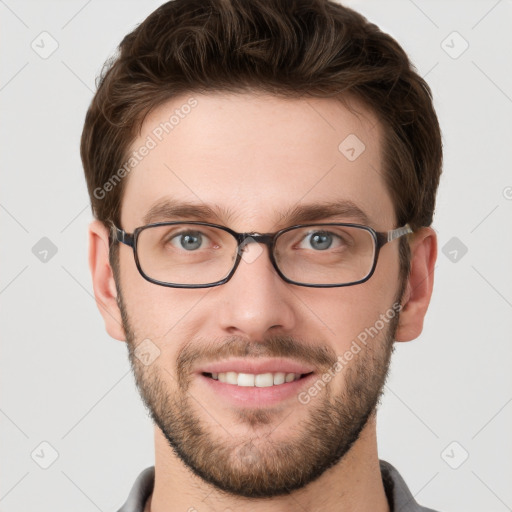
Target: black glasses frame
<point>269,239</point>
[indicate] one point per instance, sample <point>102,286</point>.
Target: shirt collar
<point>398,494</point>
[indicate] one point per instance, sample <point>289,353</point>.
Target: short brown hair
<point>291,48</point>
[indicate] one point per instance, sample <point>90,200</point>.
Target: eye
<point>188,240</point>
<point>322,240</point>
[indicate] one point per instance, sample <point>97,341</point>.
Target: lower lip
<point>252,396</point>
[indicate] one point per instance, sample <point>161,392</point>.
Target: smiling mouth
<point>261,380</point>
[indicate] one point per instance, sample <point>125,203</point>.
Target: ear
<point>103,280</point>
<point>419,284</point>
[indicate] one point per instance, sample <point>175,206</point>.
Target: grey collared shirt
<point>398,494</point>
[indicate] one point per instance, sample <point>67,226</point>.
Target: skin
<point>259,155</point>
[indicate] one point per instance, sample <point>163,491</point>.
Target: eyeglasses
<point>201,255</point>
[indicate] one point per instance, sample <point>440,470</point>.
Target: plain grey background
<point>446,418</point>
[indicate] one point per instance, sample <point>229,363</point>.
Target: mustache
<point>193,354</point>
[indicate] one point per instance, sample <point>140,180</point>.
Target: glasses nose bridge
<point>260,238</point>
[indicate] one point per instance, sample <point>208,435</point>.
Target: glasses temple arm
<point>398,232</point>
<point>122,236</point>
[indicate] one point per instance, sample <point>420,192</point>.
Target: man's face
<point>258,157</point>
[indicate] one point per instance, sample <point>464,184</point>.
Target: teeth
<point>231,377</point>
<point>261,380</point>
<point>279,378</point>
<point>243,379</point>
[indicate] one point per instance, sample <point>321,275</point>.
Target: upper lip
<point>256,366</point>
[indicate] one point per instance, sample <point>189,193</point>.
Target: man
<point>263,176</point>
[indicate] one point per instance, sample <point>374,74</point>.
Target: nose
<point>256,300</point>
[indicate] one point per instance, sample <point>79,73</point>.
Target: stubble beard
<point>262,463</point>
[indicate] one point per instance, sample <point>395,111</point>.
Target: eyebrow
<point>169,209</point>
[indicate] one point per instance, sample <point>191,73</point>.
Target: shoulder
<point>140,491</point>
<point>399,496</point>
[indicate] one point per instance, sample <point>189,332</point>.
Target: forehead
<point>251,158</point>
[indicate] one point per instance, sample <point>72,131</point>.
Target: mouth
<point>260,380</point>
<point>255,390</point>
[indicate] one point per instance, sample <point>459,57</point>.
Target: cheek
<point>152,310</point>
<point>346,312</point>
<point>162,315</point>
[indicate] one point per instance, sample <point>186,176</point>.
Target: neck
<point>355,483</point>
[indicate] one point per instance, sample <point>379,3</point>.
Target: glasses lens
<point>325,254</point>
<point>192,254</point>
<point>186,253</point>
